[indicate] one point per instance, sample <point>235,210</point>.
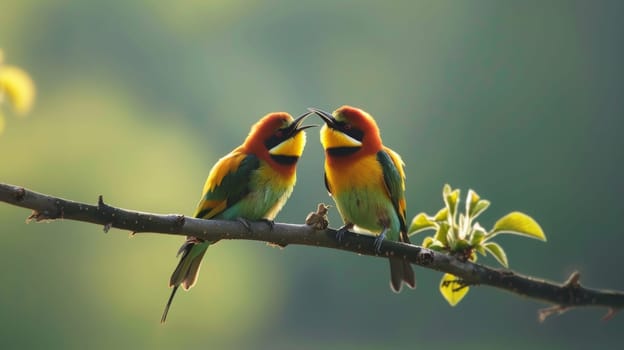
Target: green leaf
<point>479,208</point>
<point>475,205</point>
<point>446,189</point>
<point>452,290</point>
<point>460,244</point>
<point>480,249</point>
<point>451,199</point>
<point>520,224</point>
<point>451,238</point>
<point>437,246</point>
<point>427,242</point>
<point>441,233</point>
<point>471,200</point>
<point>464,226</point>
<point>441,215</point>
<point>421,222</point>
<point>478,234</point>
<point>498,252</point>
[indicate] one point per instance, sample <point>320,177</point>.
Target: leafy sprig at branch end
<point>459,234</point>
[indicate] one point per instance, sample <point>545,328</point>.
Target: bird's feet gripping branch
<point>379,240</point>
<point>341,231</point>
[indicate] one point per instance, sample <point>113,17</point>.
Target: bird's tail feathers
<point>401,271</point>
<point>185,274</point>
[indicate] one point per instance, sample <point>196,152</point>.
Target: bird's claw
<point>341,232</point>
<point>379,240</point>
<point>377,244</point>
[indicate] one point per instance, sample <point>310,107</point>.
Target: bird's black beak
<point>295,126</point>
<point>327,118</point>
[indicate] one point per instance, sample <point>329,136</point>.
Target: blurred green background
<point>521,101</point>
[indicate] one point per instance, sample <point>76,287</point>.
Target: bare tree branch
<point>565,296</point>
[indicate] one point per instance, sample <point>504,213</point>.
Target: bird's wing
<point>394,179</point>
<point>227,183</point>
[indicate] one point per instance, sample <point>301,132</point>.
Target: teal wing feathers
<point>229,188</point>
<point>394,180</point>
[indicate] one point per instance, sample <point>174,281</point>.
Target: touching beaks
<point>295,126</point>
<point>327,118</point>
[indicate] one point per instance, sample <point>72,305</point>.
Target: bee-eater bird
<point>367,182</point>
<point>252,182</point>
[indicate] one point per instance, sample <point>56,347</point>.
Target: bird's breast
<point>360,194</point>
<point>346,174</point>
<point>270,189</point>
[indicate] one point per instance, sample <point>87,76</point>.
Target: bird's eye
<point>347,127</point>
<point>279,133</point>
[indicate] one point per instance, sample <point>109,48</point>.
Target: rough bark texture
<point>564,296</point>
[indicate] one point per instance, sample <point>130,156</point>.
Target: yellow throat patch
<point>331,138</point>
<point>290,147</point>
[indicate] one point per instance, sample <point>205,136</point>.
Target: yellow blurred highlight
<point>18,88</point>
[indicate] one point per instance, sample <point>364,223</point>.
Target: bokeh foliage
<point>136,100</point>
<point>17,90</point>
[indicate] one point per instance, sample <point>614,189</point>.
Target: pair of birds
<point>253,182</point>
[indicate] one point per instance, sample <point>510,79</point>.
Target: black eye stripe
<point>349,130</point>
<point>342,151</point>
<point>355,133</point>
<point>279,136</point>
<point>285,160</point>
<point>274,140</point>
